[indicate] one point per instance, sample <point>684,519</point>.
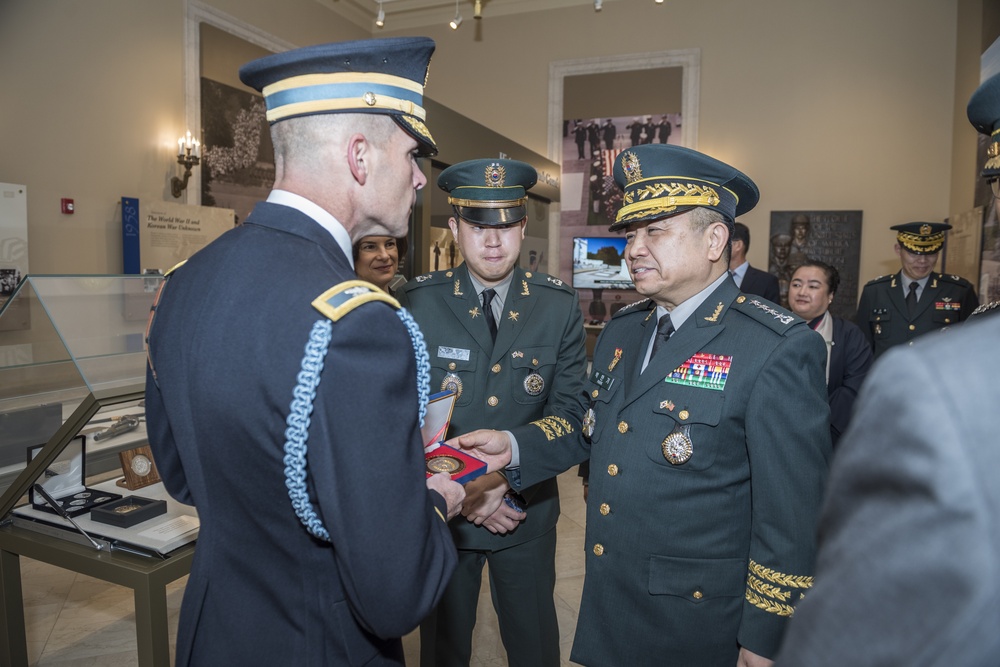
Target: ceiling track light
<point>457,21</point>
<point>598,5</point>
<point>477,13</point>
<point>380,19</point>
<point>659,2</point>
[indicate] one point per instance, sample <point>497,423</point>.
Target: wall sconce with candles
<point>188,155</point>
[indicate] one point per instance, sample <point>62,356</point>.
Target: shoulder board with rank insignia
<point>956,280</point>
<point>341,299</point>
<point>424,279</point>
<point>634,307</point>
<point>175,267</point>
<point>537,278</point>
<point>881,279</point>
<point>773,317</point>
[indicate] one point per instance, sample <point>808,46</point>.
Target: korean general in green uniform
<point>897,308</point>
<point>708,455</point>
<point>512,344</point>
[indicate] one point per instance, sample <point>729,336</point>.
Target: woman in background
<point>848,354</point>
<point>376,259</point>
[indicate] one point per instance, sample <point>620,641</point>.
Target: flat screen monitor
<point>599,263</point>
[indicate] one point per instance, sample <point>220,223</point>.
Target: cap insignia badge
<point>925,230</point>
<point>495,175</point>
<point>631,167</point>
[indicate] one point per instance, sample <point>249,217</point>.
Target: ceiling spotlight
<point>598,5</point>
<point>380,19</point>
<point>457,21</point>
<point>478,11</point>
<point>659,2</point>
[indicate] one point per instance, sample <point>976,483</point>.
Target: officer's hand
<point>452,492</point>
<point>504,520</point>
<point>748,659</point>
<point>488,445</point>
<point>483,496</point>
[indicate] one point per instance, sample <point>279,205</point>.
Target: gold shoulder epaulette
<point>341,299</point>
<point>175,267</point>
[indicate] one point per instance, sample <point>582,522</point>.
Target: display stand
<point>81,355</point>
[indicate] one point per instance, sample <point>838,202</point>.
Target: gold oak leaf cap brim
<point>984,114</point>
<point>491,191</point>
<point>381,76</point>
<point>662,180</point>
<point>921,238</point>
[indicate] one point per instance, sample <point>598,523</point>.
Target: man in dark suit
<point>609,132</point>
<point>708,433</point>
<point>580,137</point>
<point>331,558</point>
<point>749,279</point>
<point>512,343</point>
<point>897,308</point>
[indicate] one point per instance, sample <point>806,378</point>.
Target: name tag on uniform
<point>453,353</point>
<point>602,380</point>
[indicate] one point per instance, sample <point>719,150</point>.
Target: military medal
<point>614,362</point>
<point>677,447</point>
<point>452,383</point>
<point>589,420</point>
<point>444,463</point>
<point>534,384</point>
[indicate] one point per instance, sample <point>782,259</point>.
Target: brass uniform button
<point>451,366</point>
<point>622,427</point>
<point>493,401</point>
<point>740,299</point>
<point>449,274</point>
<point>697,595</point>
<point>912,327</point>
<point>534,362</point>
<point>947,320</point>
<point>594,393</point>
<point>496,368</point>
<point>683,414</point>
<point>527,274</point>
<point>605,509</point>
<point>612,470</point>
<point>598,549</point>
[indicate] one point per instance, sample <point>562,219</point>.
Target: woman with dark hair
<point>849,356</point>
<point>376,259</point>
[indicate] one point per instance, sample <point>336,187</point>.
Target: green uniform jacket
<point>541,332</point>
<point>687,562</point>
<point>882,312</point>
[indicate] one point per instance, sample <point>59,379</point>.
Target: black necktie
<point>911,299</point>
<point>664,327</point>
<point>491,321</point>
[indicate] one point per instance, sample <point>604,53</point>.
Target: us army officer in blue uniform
<point>321,541</point>
<point>897,308</point>
<point>709,455</point>
<point>527,380</point>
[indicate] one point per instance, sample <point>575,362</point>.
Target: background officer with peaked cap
<point>897,308</point>
<point>709,437</point>
<point>909,539</point>
<point>321,540</point>
<point>524,377</point>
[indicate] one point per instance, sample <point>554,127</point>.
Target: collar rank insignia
<point>458,288</point>
<point>614,362</point>
<point>714,317</point>
<point>708,371</point>
<point>474,312</point>
<point>524,288</point>
<point>512,316</point>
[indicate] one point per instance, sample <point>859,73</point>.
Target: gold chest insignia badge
<point>452,383</point>
<point>614,362</point>
<point>534,384</point>
<point>677,447</point>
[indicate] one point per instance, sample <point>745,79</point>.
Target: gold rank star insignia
<point>512,316</point>
<point>474,312</point>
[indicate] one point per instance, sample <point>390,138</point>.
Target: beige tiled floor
<point>72,619</point>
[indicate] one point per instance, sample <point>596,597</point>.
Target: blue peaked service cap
<point>382,76</point>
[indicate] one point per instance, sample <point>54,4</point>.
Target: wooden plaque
<point>139,468</point>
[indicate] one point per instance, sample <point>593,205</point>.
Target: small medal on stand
<point>138,467</point>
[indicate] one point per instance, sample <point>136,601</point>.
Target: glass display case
<point>73,440</point>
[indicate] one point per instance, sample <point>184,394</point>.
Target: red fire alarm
<point>67,206</point>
